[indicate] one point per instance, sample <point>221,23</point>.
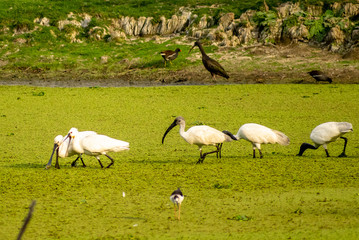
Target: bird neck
<point>202,50</point>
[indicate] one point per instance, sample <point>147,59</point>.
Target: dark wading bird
<point>320,76</point>
<point>326,133</point>
<point>170,55</point>
<point>210,64</point>
<point>201,136</point>
<point>177,198</point>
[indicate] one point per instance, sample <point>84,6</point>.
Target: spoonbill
<point>326,133</point>
<point>210,64</point>
<point>320,76</point>
<point>64,149</point>
<point>201,136</point>
<point>177,198</point>
<point>258,134</point>
<point>96,145</point>
<point>170,55</point>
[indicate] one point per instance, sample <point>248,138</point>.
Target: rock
<point>86,20</point>
<point>288,8</point>
<point>335,36</point>
<point>351,9</point>
<point>226,20</point>
<point>104,59</point>
<point>42,21</point>
<point>97,33</point>
<point>298,32</point>
<point>315,10</point>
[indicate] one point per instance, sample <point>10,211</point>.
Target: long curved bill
<point>169,129</point>
<point>48,165</point>
<point>191,48</point>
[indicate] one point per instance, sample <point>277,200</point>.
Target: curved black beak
<point>191,48</point>
<point>48,165</point>
<point>169,129</point>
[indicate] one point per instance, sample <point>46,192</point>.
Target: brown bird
<point>210,64</point>
<point>170,55</point>
<point>320,76</point>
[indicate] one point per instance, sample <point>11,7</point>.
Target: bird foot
<point>342,155</point>
<point>200,161</point>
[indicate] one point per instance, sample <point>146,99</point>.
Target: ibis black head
<point>177,121</point>
<point>178,50</point>
<point>197,43</point>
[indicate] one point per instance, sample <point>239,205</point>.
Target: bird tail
<point>282,139</point>
<point>230,135</point>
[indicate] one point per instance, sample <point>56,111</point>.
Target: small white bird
<point>64,149</point>
<point>177,198</point>
<point>96,145</point>
<point>201,136</point>
<point>326,133</point>
<point>258,134</point>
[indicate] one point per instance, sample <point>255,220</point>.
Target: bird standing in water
<point>177,198</point>
<point>210,64</point>
<point>170,55</point>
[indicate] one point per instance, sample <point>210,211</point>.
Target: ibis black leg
<point>254,153</point>
<point>112,161</point>
<point>203,156</point>
<point>83,164</point>
<point>345,146</point>
<point>326,151</point>
<point>260,153</point>
<point>304,147</point>
<point>219,150</point>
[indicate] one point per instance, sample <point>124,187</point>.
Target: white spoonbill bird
<point>96,145</point>
<point>201,136</point>
<point>326,133</point>
<point>177,198</point>
<point>258,134</point>
<point>64,149</point>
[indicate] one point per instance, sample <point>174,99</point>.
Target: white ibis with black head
<point>201,136</point>
<point>96,145</point>
<point>326,133</point>
<point>177,198</point>
<point>258,134</point>
<point>64,149</point>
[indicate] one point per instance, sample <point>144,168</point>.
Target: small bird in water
<point>210,64</point>
<point>320,76</point>
<point>170,55</point>
<point>177,198</point>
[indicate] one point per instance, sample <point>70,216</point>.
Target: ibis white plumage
<point>201,136</point>
<point>64,149</point>
<point>258,134</point>
<point>326,133</point>
<point>177,198</point>
<point>96,145</point>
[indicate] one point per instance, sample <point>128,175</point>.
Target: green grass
<point>237,197</point>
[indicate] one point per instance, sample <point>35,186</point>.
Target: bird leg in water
<point>98,159</point>
<point>260,153</point>
<point>345,145</point>
<point>203,156</point>
<point>57,165</point>
<point>305,146</point>
<point>112,161</point>
<point>219,150</point>
<point>73,164</point>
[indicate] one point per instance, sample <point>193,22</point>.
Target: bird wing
<point>257,133</point>
<point>214,67</point>
<point>205,135</point>
<point>102,144</point>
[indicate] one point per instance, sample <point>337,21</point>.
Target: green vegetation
<point>281,196</point>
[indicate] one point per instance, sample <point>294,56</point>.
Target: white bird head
<point>58,140</point>
<point>178,121</point>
